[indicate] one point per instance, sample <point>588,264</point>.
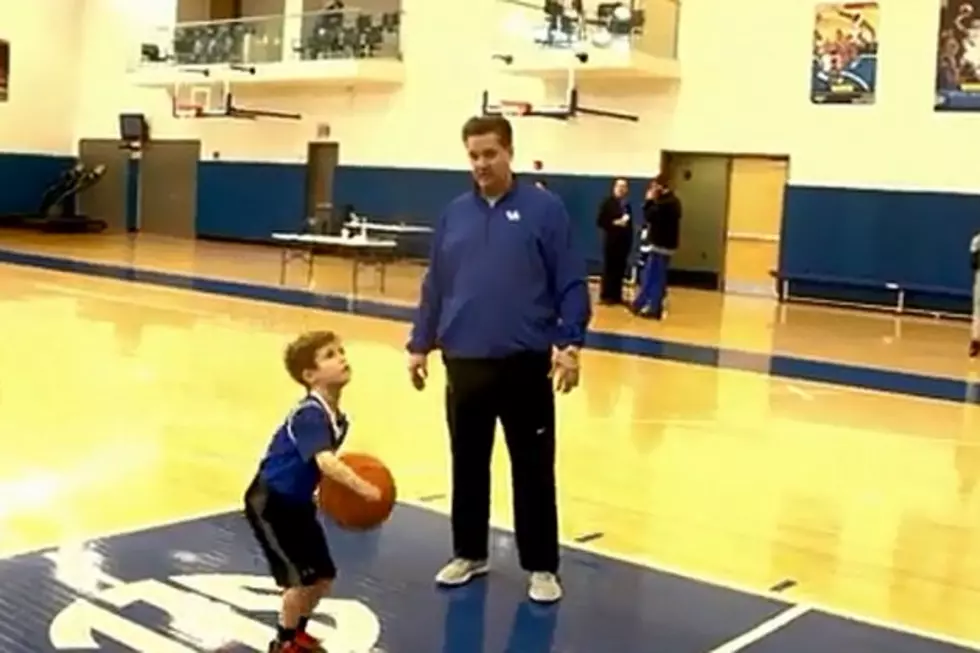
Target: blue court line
<point>776,365</point>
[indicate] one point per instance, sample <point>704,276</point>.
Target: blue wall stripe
<point>873,236</point>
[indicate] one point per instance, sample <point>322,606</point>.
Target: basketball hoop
<point>514,108</point>
<point>184,111</point>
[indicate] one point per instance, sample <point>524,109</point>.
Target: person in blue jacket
<point>506,300</point>
<point>659,239</point>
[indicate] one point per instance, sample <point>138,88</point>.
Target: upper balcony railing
<point>319,35</point>
<point>649,27</point>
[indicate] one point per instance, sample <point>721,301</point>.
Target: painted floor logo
<point>202,586</point>
<point>203,612</point>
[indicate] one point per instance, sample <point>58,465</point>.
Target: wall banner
<point>845,53</point>
<point>958,56</point>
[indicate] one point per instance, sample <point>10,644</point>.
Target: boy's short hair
<point>301,352</point>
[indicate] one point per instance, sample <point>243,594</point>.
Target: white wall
<point>746,89</point>
<point>448,66</point>
<point>37,118</point>
<point>110,32</point>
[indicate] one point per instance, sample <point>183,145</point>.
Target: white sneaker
<point>544,587</point>
<point>460,571</point>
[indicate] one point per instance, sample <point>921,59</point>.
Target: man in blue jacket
<point>506,300</point>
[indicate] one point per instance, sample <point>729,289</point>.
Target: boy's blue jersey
<point>289,465</point>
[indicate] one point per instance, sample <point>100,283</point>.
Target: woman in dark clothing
<point>616,224</point>
<point>659,240</point>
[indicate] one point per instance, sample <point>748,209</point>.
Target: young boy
<point>975,327</point>
<point>279,503</point>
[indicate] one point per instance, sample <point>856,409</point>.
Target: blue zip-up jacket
<point>502,279</point>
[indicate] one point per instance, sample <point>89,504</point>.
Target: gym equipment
<point>57,211</point>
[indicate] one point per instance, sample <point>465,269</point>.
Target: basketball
<point>347,508</point>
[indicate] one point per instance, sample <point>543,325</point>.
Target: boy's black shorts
<point>291,538</point>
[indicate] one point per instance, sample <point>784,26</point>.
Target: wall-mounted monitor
<point>133,128</point>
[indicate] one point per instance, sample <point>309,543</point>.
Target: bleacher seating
<point>211,44</point>
<point>340,34</point>
<point>893,296</point>
<point>565,26</point>
<point>349,35</point>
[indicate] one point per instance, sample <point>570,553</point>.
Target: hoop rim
<point>188,110</point>
<point>515,107</point>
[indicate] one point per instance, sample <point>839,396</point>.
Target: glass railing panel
<point>349,34</point>
<point>649,27</point>
<point>319,35</point>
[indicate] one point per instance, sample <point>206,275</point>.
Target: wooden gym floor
<point>125,405</point>
<point>911,344</point>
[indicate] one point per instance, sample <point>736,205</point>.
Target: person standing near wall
<point>975,326</point>
<point>506,300</point>
<point>660,239</point>
<point>616,223</point>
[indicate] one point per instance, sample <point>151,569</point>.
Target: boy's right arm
<point>337,470</point>
<point>311,431</point>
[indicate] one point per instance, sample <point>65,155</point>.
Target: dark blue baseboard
<point>914,239</point>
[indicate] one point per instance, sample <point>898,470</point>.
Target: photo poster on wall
<point>958,56</point>
<point>845,53</point>
<point>4,70</point>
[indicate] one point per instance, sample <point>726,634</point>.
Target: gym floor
<point>742,476</point>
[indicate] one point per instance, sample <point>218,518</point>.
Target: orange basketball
<point>349,509</point>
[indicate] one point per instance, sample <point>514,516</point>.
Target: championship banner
<point>958,56</point>
<point>845,53</point>
<point>4,70</point>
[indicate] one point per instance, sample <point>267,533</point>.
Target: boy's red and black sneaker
<point>308,643</point>
<point>286,647</point>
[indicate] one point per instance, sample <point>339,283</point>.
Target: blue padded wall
<point>26,177</point>
<point>917,239</point>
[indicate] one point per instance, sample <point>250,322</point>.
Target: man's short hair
<point>482,125</point>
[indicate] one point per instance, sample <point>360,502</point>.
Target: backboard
<point>201,99</point>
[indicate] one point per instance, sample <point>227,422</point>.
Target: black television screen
<point>132,127</point>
